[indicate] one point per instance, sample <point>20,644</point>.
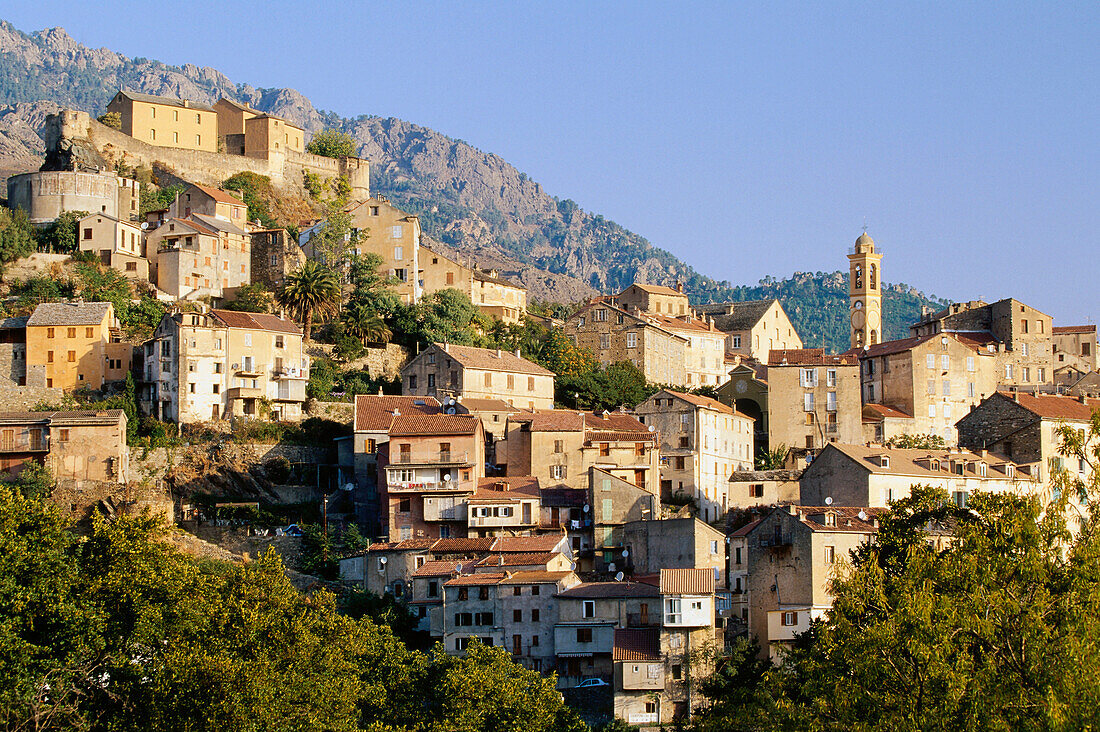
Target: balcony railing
<point>435,458</point>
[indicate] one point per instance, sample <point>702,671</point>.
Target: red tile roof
<point>436,569</point>
<point>518,559</point>
<point>524,484</point>
<point>491,360</point>
<point>855,519</point>
<point>256,321</point>
<point>535,577</point>
<point>462,546</point>
<point>808,357</point>
<point>614,422</point>
<point>744,530</point>
<point>544,543</point>
<point>655,289</point>
<point>874,412</point>
<point>687,581</point>
<point>407,425</point>
<point>487,405</point>
<point>976,341</point>
<point>700,401</point>
<point>1050,406</point>
<point>636,644</point>
<point>683,323</point>
<point>219,195</point>
<point>375,413</point>
<point>552,420</point>
<point>1069,329</point>
<point>485,578</point>
<point>621,437</point>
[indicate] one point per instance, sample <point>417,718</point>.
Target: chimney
<point>499,354</point>
<point>1083,399</point>
<point>679,287</point>
<point>517,353</point>
<point>792,509</point>
<point>446,347</point>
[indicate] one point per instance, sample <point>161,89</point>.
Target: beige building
<point>249,132</point>
<point>80,446</point>
<point>491,294</point>
<point>789,557</point>
<point>656,299</point>
<point>813,400</point>
<point>200,256</point>
<point>75,345</point>
<point>167,122</point>
<point>933,378</point>
<point>210,202</point>
<point>379,227</point>
<point>1021,336</point>
<point>753,488</point>
<point>703,442</point>
<point>1074,352</point>
<point>559,447</point>
<point>865,292</point>
<point>612,334</point>
<point>449,371</point>
<point>754,328</point>
<point>119,245</point>
<point>220,364</point>
<point>875,476</point>
<point>704,348</point>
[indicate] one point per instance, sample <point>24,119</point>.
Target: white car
<point>589,683</point>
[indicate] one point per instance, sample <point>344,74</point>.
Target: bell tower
<point>865,292</point>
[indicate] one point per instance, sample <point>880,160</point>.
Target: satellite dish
<point>862,515</point>
<point>382,560</point>
<point>448,401</point>
<point>625,553</point>
<point>611,567</point>
<point>587,508</point>
<point>618,576</point>
<point>144,225</point>
<point>449,410</point>
<point>349,486</point>
<point>828,500</point>
<point>446,476</point>
<point>573,566</point>
<point>458,567</point>
<point>652,428</point>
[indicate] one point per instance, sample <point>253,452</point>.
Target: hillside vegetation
<point>471,200</point>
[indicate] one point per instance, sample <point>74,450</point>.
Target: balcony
<point>247,369</point>
<point>244,392</point>
<point>443,486</point>
<point>33,445</point>
<point>286,372</point>
<point>436,458</point>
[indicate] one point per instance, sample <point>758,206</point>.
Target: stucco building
<point>702,443</point>
<point>71,345</point>
<point>1074,353</point>
<point>813,400</point>
<point>753,328</point>
<point>80,446</point>
<point>445,370</point>
<point>167,122</point>
<point>119,245</point>
<point>200,256</point>
<point>612,334</point>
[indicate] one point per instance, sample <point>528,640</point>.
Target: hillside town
<point>618,538</point>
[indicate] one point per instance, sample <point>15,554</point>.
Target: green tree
<point>252,298</point>
<point>60,236</point>
<point>332,143</point>
<point>772,459</point>
<point>310,290</point>
<point>17,238</point>
<point>111,119</point>
<point>152,198</point>
<point>371,288</point>
<point>257,193</point>
<point>361,322</point>
<point>917,442</point>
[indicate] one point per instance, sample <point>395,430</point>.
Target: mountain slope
<point>468,199</point>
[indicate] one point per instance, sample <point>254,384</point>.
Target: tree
<point>332,143</point>
<point>917,442</point>
<point>333,240</point>
<point>366,325</point>
<point>369,287</point>
<point>60,235</point>
<point>252,298</point>
<point>773,459</point>
<point>17,238</point>
<point>257,193</point>
<point>311,289</point>
<point>994,631</point>
<point>111,119</point>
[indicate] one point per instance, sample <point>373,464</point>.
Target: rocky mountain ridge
<point>468,199</point>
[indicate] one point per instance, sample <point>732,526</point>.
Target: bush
<point>111,119</point>
<point>278,469</point>
<point>332,143</point>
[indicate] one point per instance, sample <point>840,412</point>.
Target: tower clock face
<point>873,318</point>
<point>857,318</point>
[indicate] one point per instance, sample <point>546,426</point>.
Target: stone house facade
<point>167,122</point>
<point>612,334</point>
<point>78,446</point>
<point>200,256</point>
<point>119,245</point>
<point>1074,352</point>
<point>702,443</point>
<point>813,400</point>
<point>445,370</point>
<point>674,543</point>
<point>274,255</point>
<point>75,344</point>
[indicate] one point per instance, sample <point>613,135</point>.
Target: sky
<point>748,139</point>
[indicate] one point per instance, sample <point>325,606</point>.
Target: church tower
<point>865,292</point>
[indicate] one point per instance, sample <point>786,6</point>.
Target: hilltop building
<point>445,370</point>
<point>753,328</point>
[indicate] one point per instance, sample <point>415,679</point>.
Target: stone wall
<point>13,364</point>
<point>336,411</point>
<point>80,499</point>
<point>45,195</point>
<point>24,398</point>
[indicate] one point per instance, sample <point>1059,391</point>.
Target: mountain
<point>470,200</point>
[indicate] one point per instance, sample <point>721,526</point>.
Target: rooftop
<point>809,357</point>
<point>1051,406</point>
<point>735,316</point>
<point>1070,329</point>
<point>170,101</point>
<point>489,359</point>
<point>636,644</point>
<point>256,321</point>
<point>687,581</point>
<point>609,590</point>
<point>219,195</point>
<point>375,413</point>
<point>411,425</point>
<point>69,313</point>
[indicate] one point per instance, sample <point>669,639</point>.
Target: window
<point>600,315</point>
<point>399,253</point>
<point>49,356</point>
<point>217,389</point>
<point>790,618</point>
<point>808,402</point>
<point>735,341</point>
<point>584,635</point>
<point>217,367</point>
<point>830,377</point>
<point>557,472</point>
<point>558,446</point>
<point>431,381</point>
<point>530,383</point>
<point>1008,371</point>
<point>970,388</point>
<point>970,363</point>
<point>412,381</point>
<point>605,340</point>
<point>756,490</point>
<point>932,410</point>
<point>534,590</point>
<point>931,387</point>
<point>631,340</point>
<point>63,435</point>
<point>517,615</point>
<point>404,505</point>
<point>588,609</point>
<point>72,356</point>
<point>1041,374</point>
<point>946,387</point>
<point>808,377</point>
<point>70,333</point>
<point>463,594</point>
<point>511,382</point>
<point>930,361</point>
<point>830,401</point>
<point>131,266</point>
<point>945,362</point>
<point>605,449</point>
<point>677,672</point>
<point>49,332</point>
<point>680,463</point>
<point>1025,374</point>
<point>830,554</point>
<point>673,611</point>
<point>396,232</point>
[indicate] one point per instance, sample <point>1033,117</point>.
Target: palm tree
<point>310,289</point>
<point>365,324</point>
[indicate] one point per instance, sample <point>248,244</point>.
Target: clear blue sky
<point>748,139</point>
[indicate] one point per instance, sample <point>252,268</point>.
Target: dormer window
<point>884,461</point>
<point>983,469</point>
<point>830,519</point>
<point>1010,471</point>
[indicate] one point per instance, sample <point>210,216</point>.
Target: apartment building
<point>702,443</point>
<point>220,364</point>
<point>813,400</point>
<point>200,256</point>
<point>210,202</point>
<point>612,334</point>
<point>933,378</point>
<point>79,446</point>
<point>788,559</point>
<point>429,467</point>
<point>656,299</point>
<point>492,294</point>
<point>502,506</point>
<point>119,245</point>
<point>274,255</point>
<point>167,122</point>
<point>674,543</point>
<point>1022,338</point>
<point>875,476</point>
<point>72,345</point>
<point>444,370</point>
<point>753,328</point>
<point>559,446</point>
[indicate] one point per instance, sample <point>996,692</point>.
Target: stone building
<point>674,543</point>
<point>813,400</point>
<point>200,256</point>
<point>491,294</point>
<point>210,202</point>
<point>790,556</point>
<point>119,245</point>
<point>753,328</point>
<point>865,292</point>
<point>167,122</point>
<point>875,476</point>
<point>220,364</point>
<point>1074,353</point>
<point>75,345</point>
<point>46,194</point>
<point>655,299</point>
<point>702,443</point>
<point>1022,338</point>
<point>774,487</point>
<point>243,130</point>
<point>78,446</point>
<point>935,379</point>
<point>612,334</point>
<point>274,255</point>
<point>746,391</point>
<point>615,503</point>
<point>445,370</point>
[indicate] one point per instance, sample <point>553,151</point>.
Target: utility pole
<point>324,527</point>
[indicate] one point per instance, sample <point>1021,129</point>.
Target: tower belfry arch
<point>865,292</point>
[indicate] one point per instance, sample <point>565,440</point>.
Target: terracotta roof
<point>409,544</point>
<point>462,546</point>
<point>169,101</point>
<point>381,546</point>
<point>598,590</point>
<point>433,424</point>
<point>701,401</point>
<point>87,416</point>
<point>1068,329</point>
<point>854,519</point>
<point>904,461</point>
<point>1050,406</point>
<point>808,357</point>
<point>525,483</point>
<point>735,316</point>
<point>491,360</point>
<point>636,644</point>
<point>219,195</point>
<point>69,313</point>
<point>655,289</point>
<point>436,569</point>
<point>747,528</point>
<point>875,412</point>
<point>485,578</point>
<point>621,437</point>
<point>614,422</point>
<point>552,420</point>
<point>682,323</point>
<point>975,341</point>
<point>215,224</point>
<point>375,413</point>
<point>192,224</point>
<point>256,321</point>
<point>487,405</point>
<point>543,543</point>
<point>518,559</point>
<point>535,577</point>
<point>687,581</point>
